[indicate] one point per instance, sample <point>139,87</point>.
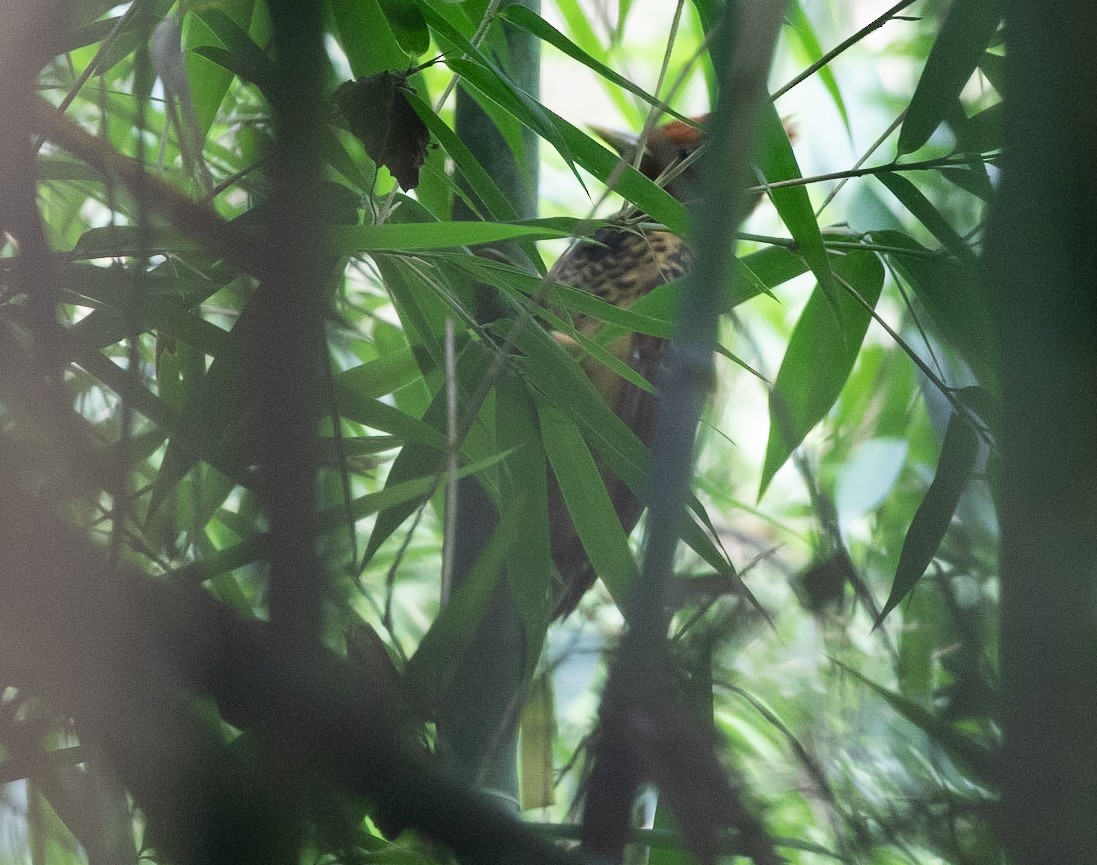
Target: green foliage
<point>865,729</point>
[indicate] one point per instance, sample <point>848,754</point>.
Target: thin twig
<point>856,245</point>
<point>884,136</point>
<point>947,391</point>
<point>890,168</point>
<point>449,533</point>
<point>876,24</point>
<point>655,113</point>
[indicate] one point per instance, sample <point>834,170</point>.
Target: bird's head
<point>667,146</point>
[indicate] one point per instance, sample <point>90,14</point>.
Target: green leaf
<point>407,25</point>
<point>981,132</point>
<point>800,29</point>
<point>955,297</point>
<point>250,63</point>
<point>819,358</point>
<point>417,459</point>
<point>154,407</point>
<point>557,375</point>
<point>524,487</point>
<point>777,162</point>
<point>993,66</point>
<point>538,729</point>
<point>771,266</point>
<point>330,519</point>
<point>123,241</point>
<point>587,500</point>
<point>215,417</point>
<point>535,24</point>
<point>923,210</point>
<point>443,648</point>
<point>653,200</point>
<point>347,240</point>
<point>108,326</point>
<point>366,37</point>
<point>979,759</point>
<point>965,33</point>
<point>934,514</point>
<point>974,180</point>
<point>209,83</point>
<point>499,206</point>
<point>554,373</point>
<point>494,84</point>
<point>381,416</point>
<point>376,378</point>
<point>520,283</point>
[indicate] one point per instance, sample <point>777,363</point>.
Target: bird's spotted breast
<point>619,265</point>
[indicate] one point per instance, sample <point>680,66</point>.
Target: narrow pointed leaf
<point>407,25</point>
<point>923,210</point>
<point>965,33</point>
<point>538,727</point>
<point>478,178</point>
<point>820,356</point>
<point>524,487</point>
<point>346,240</point>
<point>416,459</point>
<point>330,519</point>
<point>209,83</point>
<point>955,297</point>
<point>366,37</point>
<point>777,162</point>
<point>978,758</point>
<point>587,500</point>
<point>800,29</point>
<point>539,27</point>
<point>443,648</point>
<point>934,514</point>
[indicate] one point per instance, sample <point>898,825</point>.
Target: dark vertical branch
<point>28,33</point>
<point>639,682</point>
<point>285,363</point>
<point>1042,265</point>
<point>479,718</point>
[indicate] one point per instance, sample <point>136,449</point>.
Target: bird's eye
<point>684,153</point>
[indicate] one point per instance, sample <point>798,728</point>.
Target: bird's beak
<point>623,142</point>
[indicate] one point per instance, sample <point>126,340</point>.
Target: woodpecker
<point>620,265</point>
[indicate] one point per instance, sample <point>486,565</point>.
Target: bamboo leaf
<point>417,459</point>
<point>366,37</point>
<point>524,487</point>
<point>538,728</point>
<point>934,514</point>
<point>209,83</point>
<point>539,27</point>
<point>955,297</point>
<point>478,178</point>
<point>965,33</point>
<point>820,356</point>
<point>587,500</point>
<point>800,29</point>
<point>978,758</point>
<point>330,519</point>
<point>347,240</point>
<point>923,210</point>
<point>778,162</point>
<point>407,25</point>
<point>443,648</point>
